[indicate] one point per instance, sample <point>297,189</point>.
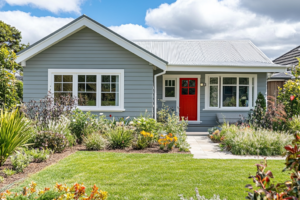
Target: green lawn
<point>154,176</point>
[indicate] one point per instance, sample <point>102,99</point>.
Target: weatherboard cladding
<point>207,52</point>
<point>289,58</point>
<point>87,49</point>
<point>208,117</point>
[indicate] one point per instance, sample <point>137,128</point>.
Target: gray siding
<point>87,49</point>
<point>208,117</point>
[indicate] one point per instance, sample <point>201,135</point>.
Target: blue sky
<point>272,25</point>
<point>107,12</point>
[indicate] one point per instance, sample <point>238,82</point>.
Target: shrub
<point>38,155</point>
<point>49,108</point>
<point>213,129</point>
<point>54,141</point>
<point>291,88</point>
<point>215,197</point>
<point>177,127</point>
<point>60,191</point>
<point>1,179</point>
<point>217,136</point>
<point>119,137</point>
<point>146,124</point>
<point>83,123</point>
<point>144,139</point>
<point>61,126</point>
<point>14,133</point>
<point>167,141</point>
<point>257,116</point>
<point>294,124</point>
<point>8,172</point>
<point>20,161</point>
<point>95,141</point>
<point>248,141</point>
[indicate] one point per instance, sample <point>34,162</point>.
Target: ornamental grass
<point>248,141</point>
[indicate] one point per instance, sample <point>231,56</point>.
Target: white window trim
<point>220,107</point>
<point>164,88</point>
<point>177,92</point>
<point>98,72</point>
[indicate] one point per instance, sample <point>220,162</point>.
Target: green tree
<point>257,117</point>
<point>10,37</point>
<point>8,88</point>
<point>291,88</point>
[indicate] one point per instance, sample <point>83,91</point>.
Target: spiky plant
<point>14,133</point>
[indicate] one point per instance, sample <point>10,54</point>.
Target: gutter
<point>155,92</point>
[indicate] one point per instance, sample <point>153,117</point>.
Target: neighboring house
<point>118,77</point>
<point>278,79</point>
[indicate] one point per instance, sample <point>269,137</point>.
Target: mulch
<point>54,158</point>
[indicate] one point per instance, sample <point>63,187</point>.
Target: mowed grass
<point>153,176</point>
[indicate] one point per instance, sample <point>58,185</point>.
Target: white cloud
<point>226,19</point>
<point>134,32</point>
<point>33,28</point>
<point>54,6</point>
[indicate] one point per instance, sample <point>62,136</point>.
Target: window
<point>63,85</point>
<point>95,89</point>
<point>170,88</point>
<point>230,91</point>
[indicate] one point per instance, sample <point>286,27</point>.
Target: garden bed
<point>34,167</point>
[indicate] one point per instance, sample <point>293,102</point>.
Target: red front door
<point>188,98</point>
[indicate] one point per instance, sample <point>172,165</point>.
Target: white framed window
<point>169,88</point>
<point>230,92</point>
<point>96,89</point>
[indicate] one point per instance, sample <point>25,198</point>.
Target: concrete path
<point>203,148</point>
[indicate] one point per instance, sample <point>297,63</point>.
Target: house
<point>200,79</point>
<point>277,80</point>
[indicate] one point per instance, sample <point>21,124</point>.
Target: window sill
<point>102,110</point>
<point>228,109</point>
<point>170,99</point>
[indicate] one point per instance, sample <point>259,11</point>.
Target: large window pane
<point>109,99</point>
<point>229,80</point>
<point>87,99</point>
<point>243,96</point>
<point>214,96</point>
<point>170,92</point>
<point>229,96</point>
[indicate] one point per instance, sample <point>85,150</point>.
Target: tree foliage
<point>10,37</point>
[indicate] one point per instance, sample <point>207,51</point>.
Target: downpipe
<point>155,92</point>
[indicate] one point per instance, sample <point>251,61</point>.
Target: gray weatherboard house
<point>118,77</point>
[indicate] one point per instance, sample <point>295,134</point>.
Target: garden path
<point>203,148</point>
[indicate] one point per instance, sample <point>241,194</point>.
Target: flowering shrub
<point>54,141</point>
<point>291,88</point>
<point>294,124</point>
<point>145,139</point>
<point>60,192</point>
<point>248,141</point>
<point>217,136</point>
<point>95,141</point>
<point>61,126</point>
<point>167,141</point>
<point>146,124</point>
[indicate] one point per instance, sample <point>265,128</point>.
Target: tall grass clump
<point>14,132</point>
<point>248,141</point>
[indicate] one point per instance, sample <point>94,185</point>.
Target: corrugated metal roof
<point>207,52</point>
